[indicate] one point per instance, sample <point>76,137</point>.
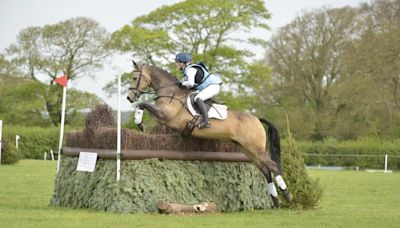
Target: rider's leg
<point>203,111</point>
<point>206,93</point>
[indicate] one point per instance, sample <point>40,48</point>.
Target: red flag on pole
<point>63,80</point>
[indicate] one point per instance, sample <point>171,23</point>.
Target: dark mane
<point>183,93</point>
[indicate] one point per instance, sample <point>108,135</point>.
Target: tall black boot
<point>203,111</point>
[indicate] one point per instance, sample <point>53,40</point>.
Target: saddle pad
<point>216,111</point>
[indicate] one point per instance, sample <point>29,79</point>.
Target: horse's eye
<point>134,78</point>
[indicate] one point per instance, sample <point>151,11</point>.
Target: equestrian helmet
<point>183,57</point>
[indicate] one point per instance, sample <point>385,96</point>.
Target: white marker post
<point>386,161</point>
<point>63,81</point>
<point>60,143</point>
<point>16,141</point>
<point>1,129</point>
<point>119,131</point>
<point>52,155</point>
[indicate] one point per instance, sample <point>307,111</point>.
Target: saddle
<point>216,110</point>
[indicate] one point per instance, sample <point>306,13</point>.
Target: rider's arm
<point>191,74</point>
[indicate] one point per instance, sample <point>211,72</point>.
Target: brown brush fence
<point>232,186</point>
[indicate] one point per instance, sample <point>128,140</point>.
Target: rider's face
<point>180,65</point>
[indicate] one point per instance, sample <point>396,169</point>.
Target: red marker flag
<point>63,80</point>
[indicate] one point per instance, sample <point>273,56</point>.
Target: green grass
<point>351,199</point>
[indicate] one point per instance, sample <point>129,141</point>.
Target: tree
<point>205,28</point>
<point>373,70</point>
<point>73,47</point>
<point>23,103</point>
<point>8,69</point>
<point>305,56</point>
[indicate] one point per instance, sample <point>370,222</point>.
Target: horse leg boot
<point>282,185</point>
<point>203,111</point>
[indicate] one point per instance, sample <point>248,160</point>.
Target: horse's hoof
<point>275,200</point>
<point>141,126</point>
<point>288,195</point>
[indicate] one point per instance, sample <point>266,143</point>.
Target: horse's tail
<point>274,143</point>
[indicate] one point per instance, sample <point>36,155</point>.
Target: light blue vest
<point>208,79</point>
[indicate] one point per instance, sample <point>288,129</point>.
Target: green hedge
<point>8,152</point>
<point>372,153</point>
<point>34,141</point>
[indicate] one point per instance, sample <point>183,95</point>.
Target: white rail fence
<point>385,159</point>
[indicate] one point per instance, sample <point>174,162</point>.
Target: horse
<point>239,127</point>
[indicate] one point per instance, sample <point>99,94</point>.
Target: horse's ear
<point>135,65</point>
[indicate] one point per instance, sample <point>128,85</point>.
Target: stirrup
<point>204,125</point>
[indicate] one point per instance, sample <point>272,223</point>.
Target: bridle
<point>137,92</point>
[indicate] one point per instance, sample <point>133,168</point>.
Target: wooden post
<point>174,208</point>
<point>164,154</point>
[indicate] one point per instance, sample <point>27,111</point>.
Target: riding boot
<point>203,111</point>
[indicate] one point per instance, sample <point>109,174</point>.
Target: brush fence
<point>152,176</point>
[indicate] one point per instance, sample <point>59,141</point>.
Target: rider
<point>197,76</point>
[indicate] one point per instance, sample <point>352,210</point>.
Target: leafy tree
<point>207,29</point>
<point>305,56</point>
<point>373,69</point>
<point>8,69</point>
<point>73,47</point>
<point>23,103</point>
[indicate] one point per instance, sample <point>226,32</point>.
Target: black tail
<point>274,143</point>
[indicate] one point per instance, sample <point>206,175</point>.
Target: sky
<point>16,15</point>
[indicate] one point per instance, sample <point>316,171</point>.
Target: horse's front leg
<point>154,110</point>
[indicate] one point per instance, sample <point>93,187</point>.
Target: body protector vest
<point>203,78</point>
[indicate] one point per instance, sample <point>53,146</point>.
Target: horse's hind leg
<point>278,178</point>
<point>271,185</point>
<point>261,159</point>
<point>282,185</point>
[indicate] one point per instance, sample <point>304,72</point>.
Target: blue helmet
<point>183,57</point>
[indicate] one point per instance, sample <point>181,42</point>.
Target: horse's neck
<point>161,83</point>
<point>165,85</point>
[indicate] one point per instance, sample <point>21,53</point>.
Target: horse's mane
<point>159,70</point>
<point>171,77</point>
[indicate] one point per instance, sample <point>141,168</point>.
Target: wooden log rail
<point>163,154</point>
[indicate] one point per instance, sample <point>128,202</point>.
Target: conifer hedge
<point>232,186</point>
<point>8,152</point>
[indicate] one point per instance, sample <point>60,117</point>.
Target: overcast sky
<point>16,15</point>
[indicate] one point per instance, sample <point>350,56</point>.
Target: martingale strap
<point>190,126</point>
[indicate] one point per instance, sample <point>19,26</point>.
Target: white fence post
<point>386,160</point>
<point>119,131</point>
<point>52,154</point>
<point>16,141</point>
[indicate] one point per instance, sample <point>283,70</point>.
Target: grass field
<point>351,199</point>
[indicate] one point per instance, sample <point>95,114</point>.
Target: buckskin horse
<point>239,127</point>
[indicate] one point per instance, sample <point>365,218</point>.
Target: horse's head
<point>140,82</point>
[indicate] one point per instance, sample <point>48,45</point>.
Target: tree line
<point>335,72</point>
